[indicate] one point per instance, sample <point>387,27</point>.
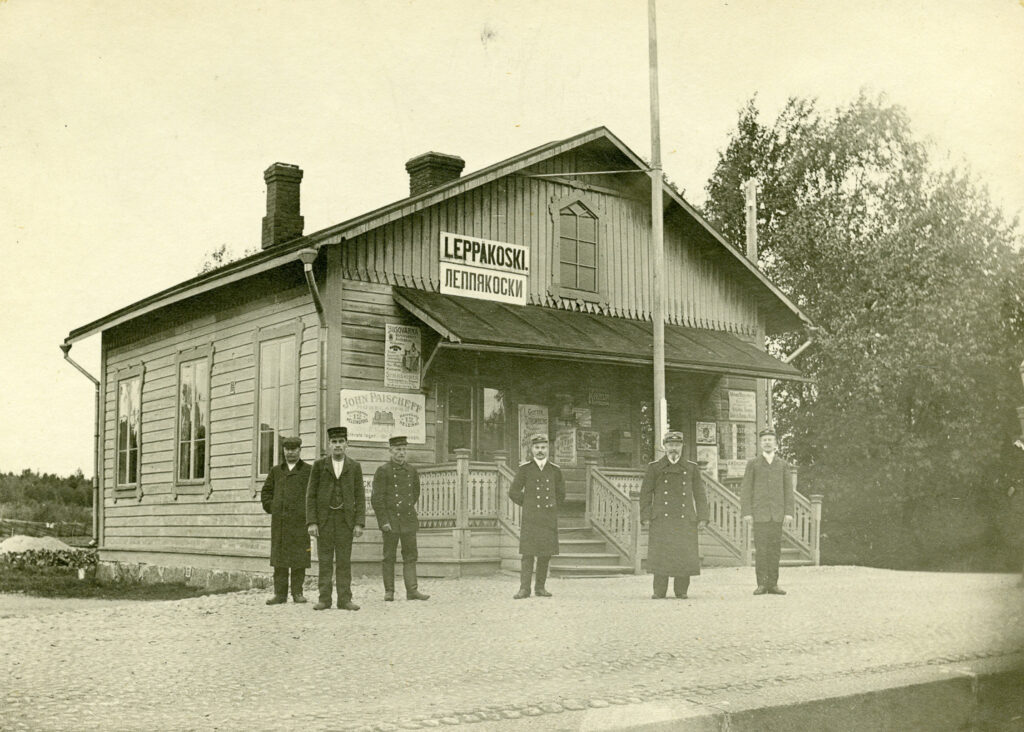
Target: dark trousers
<point>334,550</point>
<point>679,585</point>
<point>409,557</point>
<point>298,575</point>
<point>768,550</point>
<point>526,571</point>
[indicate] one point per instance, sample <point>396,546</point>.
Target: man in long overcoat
<point>539,488</point>
<point>766,501</point>
<point>674,505</point>
<point>396,489</point>
<point>284,498</point>
<point>335,514</point>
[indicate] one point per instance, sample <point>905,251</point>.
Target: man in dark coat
<point>766,501</point>
<point>396,489</point>
<point>539,488</point>
<point>673,503</point>
<point>335,514</point>
<point>284,498</point>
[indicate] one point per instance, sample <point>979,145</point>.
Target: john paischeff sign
<point>484,269</point>
<point>375,416</point>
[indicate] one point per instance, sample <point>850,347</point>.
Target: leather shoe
<point>681,597</point>
<point>389,595</point>
<point>347,605</point>
<point>541,592</point>
<point>522,594</point>
<point>776,590</point>
<point>657,597</point>
<point>322,606</point>
<point>760,590</point>
<point>299,599</point>
<point>276,600</point>
<point>416,595</point>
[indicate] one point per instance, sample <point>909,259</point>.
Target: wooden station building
<point>477,310</point>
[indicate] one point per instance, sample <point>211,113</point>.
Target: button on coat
<point>539,492</point>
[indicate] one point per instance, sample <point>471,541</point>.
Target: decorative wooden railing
<point>614,512</point>
<point>465,495</point>
<point>725,519</point>
<point>437,507</point>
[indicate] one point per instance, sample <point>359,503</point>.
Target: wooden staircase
<point>582,552</point>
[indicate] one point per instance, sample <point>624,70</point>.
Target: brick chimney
<point>431,170</point>
<point>282,222</point>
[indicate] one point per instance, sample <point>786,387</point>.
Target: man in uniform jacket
<point>284,498</point>
<point>335,514</point>
<point>396,489</point>
<point>539,488</point>
<point>766,500</point>
<point>673,503</point>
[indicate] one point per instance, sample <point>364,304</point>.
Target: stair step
<point>589,570</point>
<point>582,545</point>
<point>585,557</point>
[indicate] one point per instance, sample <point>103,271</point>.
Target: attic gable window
<point>576,251</point>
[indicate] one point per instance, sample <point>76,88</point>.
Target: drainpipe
<point>66,347</point>
<point>307,257</point>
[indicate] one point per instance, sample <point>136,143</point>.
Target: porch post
<point>634,531</point>
<point>501,460</point>
<point>816,528</point>
<point>588,475</point>
<point>461,531</point>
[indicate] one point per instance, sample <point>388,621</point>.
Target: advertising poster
<point>734,468</point>
<point>564,453</point>
<point>707,458</point>
<point>376,416</point>
<point>742,406</point>
<point>402,351</point>
<point>707,433</point>
<point>533,419</point>
<point>588,441</point>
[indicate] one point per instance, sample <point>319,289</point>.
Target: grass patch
<point>63,582</point>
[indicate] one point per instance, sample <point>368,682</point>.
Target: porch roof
<point>482,325</point>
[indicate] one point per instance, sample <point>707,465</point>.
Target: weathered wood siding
<point>224,516</point>
<point>701,289</point>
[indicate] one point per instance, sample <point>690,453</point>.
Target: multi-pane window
<point>492,424</point>
<point>737,440</point>
<point>193,419</point>
<point>460,417</point>
<point>577,248</point>
<point>129,429</point>
<point>278,391</point>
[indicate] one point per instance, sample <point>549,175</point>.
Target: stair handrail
<point>509,514</point>
<point>614,513</point>
<point>725,520</point>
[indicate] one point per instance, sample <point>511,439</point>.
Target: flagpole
<point>657,241</point>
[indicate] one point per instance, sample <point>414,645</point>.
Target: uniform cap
<point>291,443</point>
<point>337,433</point>
<point>762,433</point>
<point>673,436</point>
<point>398,441</point>
<point>539,438</point>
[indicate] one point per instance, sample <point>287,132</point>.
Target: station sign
<point>484,269</point>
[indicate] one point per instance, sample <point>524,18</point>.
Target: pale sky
<point>134,135</point>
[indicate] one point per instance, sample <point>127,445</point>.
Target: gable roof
<point>782,308</point>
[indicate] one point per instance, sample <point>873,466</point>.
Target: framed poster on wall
<point>707,433</point>
<point>533,419</point>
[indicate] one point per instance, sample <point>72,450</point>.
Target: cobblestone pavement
<point>471,654</point>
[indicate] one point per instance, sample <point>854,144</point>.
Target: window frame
<point>122,375</point>
<point>192,486</point>
<point>261,336</point>
<point>557,287</point>
<point>475,420</point>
